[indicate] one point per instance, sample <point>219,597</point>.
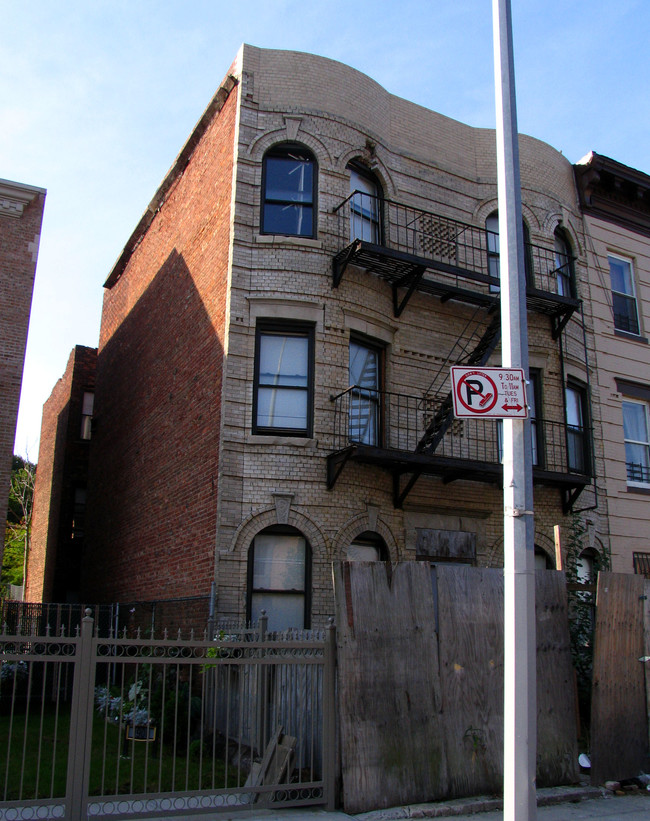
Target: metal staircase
<point>444,413</point>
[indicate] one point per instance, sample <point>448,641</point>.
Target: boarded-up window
<point>445,546</point>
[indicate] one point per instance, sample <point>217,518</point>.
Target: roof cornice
<point>614,192</point>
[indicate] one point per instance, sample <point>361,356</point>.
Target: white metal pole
<point>520,679</point>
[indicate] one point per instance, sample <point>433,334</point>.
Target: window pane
<point>364,208</point>
<point>282,408</point>
<point>288,219</point>
<point>289,179</point>
<point>625,317</point>
<point>279,562</point>
<point>362,553</point>
<point>620,271</point>
<point>283,611</point>
<point>562,266</point>
<point>364,366</point>
<point>573,408</point>
<point>635,421</point>
<point>284,360</point>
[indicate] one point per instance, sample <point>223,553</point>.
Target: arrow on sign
<point>512,407</point>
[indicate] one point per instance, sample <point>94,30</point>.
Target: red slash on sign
<point>498,393</point>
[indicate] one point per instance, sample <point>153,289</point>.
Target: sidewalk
<point>553,804</point>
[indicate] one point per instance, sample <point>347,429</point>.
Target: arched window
<point>365,205</point>
<point>289,184</point>
<point>542,559</point>
<point>563,264</point>
<point>279,578</point>
<point>367,547</point>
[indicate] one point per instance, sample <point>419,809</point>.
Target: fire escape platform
<point>446,468</point>
<point>411,271</point>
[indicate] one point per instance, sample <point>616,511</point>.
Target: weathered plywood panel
<point>392,748</point>
<point>557,745</point>
<point>619,738</point>
<point>470,615</point>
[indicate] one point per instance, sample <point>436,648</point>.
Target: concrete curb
<point>481,803</point>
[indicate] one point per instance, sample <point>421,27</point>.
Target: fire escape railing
<point>396,423</point>
<point>456,251</point>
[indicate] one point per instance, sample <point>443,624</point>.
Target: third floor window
<point>626,317</point>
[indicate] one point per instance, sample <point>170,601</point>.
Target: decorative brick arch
<point>373,162</point>
<point>257,522</point>
<point>360,524</point>
<point>487,207</point>
<point>293,134</point>
<point>556,220</point>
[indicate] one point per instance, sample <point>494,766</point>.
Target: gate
<point>118,727</point>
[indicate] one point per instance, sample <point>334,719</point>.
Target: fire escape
<point>414,250</point>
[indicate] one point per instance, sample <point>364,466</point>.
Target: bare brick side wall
<point>54,558</point>
<point>19,237</point>
<point>151,517</point>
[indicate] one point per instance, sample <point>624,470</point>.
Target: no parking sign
<point>498,393</point>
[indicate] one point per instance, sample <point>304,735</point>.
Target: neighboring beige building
<point>616,204</point>
<point>272,385</point>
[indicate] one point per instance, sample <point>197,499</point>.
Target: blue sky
<point>97,97</point>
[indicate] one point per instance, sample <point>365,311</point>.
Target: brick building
<point>272,376</point>
<point>21,216</point>
<point>57,542</point>
<point>616,204</point>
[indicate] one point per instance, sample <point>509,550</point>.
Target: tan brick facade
<point>180,481</point>
<point>21,216</point>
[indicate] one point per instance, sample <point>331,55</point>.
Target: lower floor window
<point>637,442</point>
<point>279,578</point>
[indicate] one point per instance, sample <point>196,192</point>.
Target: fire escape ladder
<point>444,415</point>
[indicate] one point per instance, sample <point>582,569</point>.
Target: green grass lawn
<point>34,760</point>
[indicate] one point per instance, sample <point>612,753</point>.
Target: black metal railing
<point>637,472</point>
<point>454,248</point>
<point>397,422</point>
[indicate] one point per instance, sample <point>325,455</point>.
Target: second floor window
<point>282,401</point>
<point>626,317</point>
<point>364,418</point>
<point>289,191</point>
<point>637,442</point>
<point>576,423</point>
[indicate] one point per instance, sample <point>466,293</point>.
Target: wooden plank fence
<point>420,672</point>
<point>619,735</point>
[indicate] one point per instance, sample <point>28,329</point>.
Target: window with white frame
<point>621,272</point>
<point>279,578</point>
<point>637,442</point>
<point>282,400</point>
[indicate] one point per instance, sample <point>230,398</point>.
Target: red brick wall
<point>154,462</point>
<point>53,569</point>
<point>19,235</point>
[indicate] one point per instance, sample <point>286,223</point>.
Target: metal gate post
<point>329,717</point>
<point>78,778</point>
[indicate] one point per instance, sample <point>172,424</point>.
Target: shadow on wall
<point>151,515</point>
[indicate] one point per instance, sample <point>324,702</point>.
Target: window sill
<point>281,239</point>
<point>644,490</point>
<point>292,441</point>
<point>631,337</point>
